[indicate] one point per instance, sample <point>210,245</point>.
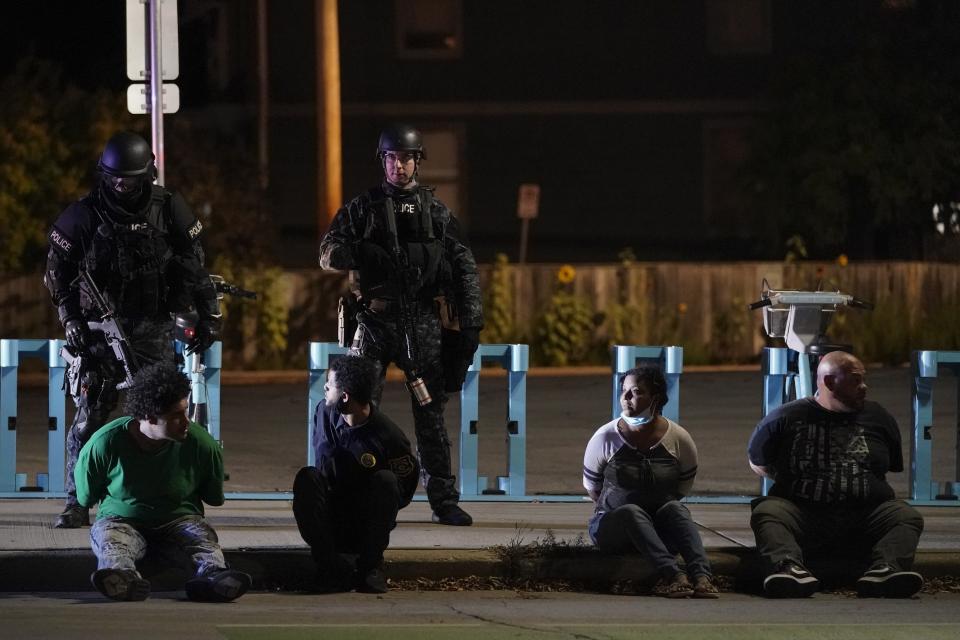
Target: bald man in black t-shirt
<point>828,457</point>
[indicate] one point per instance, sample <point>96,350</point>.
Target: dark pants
<point>152,341</point>
<point>657,534</point>
<point>785,530</point>
<point>379,336</point>
<point>355,520</point>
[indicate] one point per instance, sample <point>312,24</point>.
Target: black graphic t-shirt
<point>827,457</point>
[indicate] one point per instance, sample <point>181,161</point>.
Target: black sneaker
<point>73,517</point>
<point>120,584</point>
<point>453,515</point>
<point>331,582</point>
<point>222,586</point>
<point>335,574</point>
<point>790,580</point>
<point>372,581</point>
<point>883,581</point>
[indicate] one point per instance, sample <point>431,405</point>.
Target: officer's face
<point>399,167</point>
<point>126,188</point>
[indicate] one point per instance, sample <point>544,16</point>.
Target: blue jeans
<point>119,543</point>
<point>657,536</point>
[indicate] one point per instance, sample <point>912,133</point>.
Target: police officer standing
<point>409,253</point>
<point>140,243</point>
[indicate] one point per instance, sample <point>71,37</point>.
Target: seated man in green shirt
<point>151,471</point>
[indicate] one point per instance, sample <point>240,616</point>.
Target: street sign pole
<point>528,207</point>
<point>156,82</point>
<point>524,234</point>
<point>152,58</point>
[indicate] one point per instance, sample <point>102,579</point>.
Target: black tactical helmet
<point>126,155</point>
<point>401,137</point>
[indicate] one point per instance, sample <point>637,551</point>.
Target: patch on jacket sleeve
<point>60,241</point>
<point>402,467</point>
<point>195,229</point>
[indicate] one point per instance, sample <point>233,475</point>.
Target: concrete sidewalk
<point>261,537</point>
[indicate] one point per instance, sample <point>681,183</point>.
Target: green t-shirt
<point>152,488</point>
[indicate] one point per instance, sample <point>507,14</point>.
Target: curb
<point>291,569</point>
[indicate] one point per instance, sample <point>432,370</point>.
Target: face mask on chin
<point>646,416</point>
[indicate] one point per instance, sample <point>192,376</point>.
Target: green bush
<point>255,331</point>
<point>882,335</point>
<point>564,331</point>
<point>730,327</point>
<point>498,304</point>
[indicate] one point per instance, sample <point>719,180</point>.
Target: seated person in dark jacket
<point>365,473</point>
<point>151,472</point>
<point>828,457</point>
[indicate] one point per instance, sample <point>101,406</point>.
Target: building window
<point>429,28</point>
<point>442,168</point>
<point>726,148</point>
<point>738,27</point>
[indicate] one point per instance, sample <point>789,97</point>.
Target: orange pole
<point>329,140</point>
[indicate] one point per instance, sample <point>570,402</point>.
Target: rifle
<point>222,286</point>
<point>112,332</point>
<point>414,381</point>
<point>184,329</point>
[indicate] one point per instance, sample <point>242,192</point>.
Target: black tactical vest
<point>129,255</point>
<point>420,239</point>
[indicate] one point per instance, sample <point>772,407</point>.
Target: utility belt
<point>391,306</point>
<point>349,306</point>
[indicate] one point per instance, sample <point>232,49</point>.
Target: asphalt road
<point>264,427</point>
<point>488,615</point>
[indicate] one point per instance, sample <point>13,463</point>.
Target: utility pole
<point>329,141</point>
<point>263,98</point>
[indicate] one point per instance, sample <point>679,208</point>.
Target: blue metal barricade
<point>926,366</point>
<point>204,374</point>
<point>668,359</point>
<point>787,375</point>
<point>515,359</point>
<point>50,484</point>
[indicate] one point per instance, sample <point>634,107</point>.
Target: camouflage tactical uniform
<point>440,263</point>
<point>148,262</point>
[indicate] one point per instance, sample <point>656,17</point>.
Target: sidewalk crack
<point>547,630</point>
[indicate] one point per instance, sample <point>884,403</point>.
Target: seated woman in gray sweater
<point>636,469</point>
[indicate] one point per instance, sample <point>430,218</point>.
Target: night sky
<point>86,36</point>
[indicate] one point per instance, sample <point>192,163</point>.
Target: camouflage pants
<point>379,337</point>
<point>152,341</point>
<point>119,543</point>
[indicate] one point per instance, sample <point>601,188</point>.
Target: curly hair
<point>653,379</point>
<point>155,389</point>
<point>357,376</point>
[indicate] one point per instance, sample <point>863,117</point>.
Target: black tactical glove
<point>469,341</point>
<point>457,349</point>
<point>78,334</point>
<point>206,333</point>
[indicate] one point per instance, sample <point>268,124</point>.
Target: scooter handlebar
<point>759,304</point>
<point>861,304</point>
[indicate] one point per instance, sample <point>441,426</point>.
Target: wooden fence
<point>699,305</point>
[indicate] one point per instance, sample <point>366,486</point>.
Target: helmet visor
<point>124,185</point>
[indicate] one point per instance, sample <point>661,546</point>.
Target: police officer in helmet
<point>141,245</point>
<point>413,264</point>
